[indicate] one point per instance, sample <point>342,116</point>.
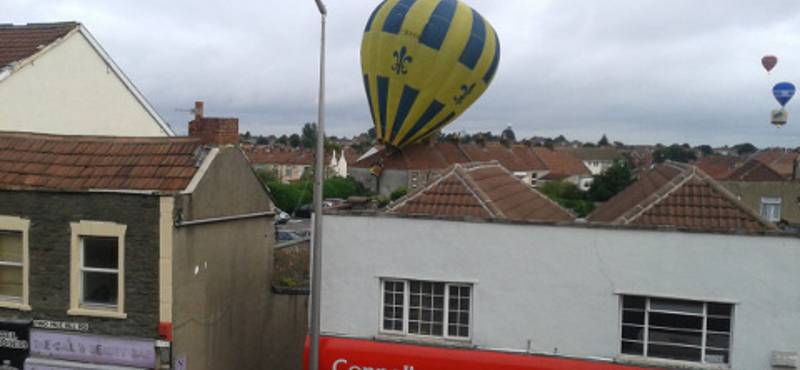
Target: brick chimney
<point>213,131</point>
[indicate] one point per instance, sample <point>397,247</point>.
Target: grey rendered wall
<point>50,214</point>
<point>558,287</point>
<point>751,192</point>
<point>390,180</point>
<point>221,274</point>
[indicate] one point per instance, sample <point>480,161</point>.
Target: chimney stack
<point>213,131</point>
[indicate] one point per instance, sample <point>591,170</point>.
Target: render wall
<point>50,215</point>
<point>221,276</point>
<point>71,90</point>
<point>750,193</point>
<point>556,289</point>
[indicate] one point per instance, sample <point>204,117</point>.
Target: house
<point>679,195</point>
<point>784,162</point>
<point>289,164</point>
<point>417,165</point>
<point>56,78</point>
<point>133,252</point>
<point>599,159</point>
<point>719,167</point>
<point>470,294</point>
<point>484,191</point>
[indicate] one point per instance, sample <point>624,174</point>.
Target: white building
<point>56,78</point>
<point>650,297</point>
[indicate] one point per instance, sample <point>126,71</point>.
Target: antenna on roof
<point>197,110</point>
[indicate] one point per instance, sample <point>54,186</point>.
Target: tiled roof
<point>281,155</point>
<point>597,154</point>
<point>782,161</point>
<point>561,163</point>
<point>20,42</point>
<point>79,163</point>
<point>481,190</point>
<point>677,195</point>
<point>754,171</point>
<point>512,157</point>
<point>718,166</point>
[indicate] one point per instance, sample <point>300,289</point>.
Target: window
<point>426,308</point>
<point>676,329</point>
<point>14,262</point>
<point>98,269</point>
<point>771,209</point>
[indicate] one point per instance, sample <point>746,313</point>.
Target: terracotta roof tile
<point>754,171</point>
<point>35,161</point>
<point>22,41</point>
<point>678,195</point>
<point>481,190</point>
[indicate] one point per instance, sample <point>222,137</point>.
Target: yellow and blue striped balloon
<point>424,62</point>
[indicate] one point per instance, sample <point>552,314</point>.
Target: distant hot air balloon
<point>423,63</point>
<point>769,62</point>
<point>783,92</point>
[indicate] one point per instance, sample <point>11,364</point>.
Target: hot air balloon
<point>423,63</point>
<point>783,92</point>
<point>778,117</point>
<point>769,62</point>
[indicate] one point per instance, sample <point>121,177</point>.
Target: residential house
<point>719,166</point>
<point>484,191</point>
<point>56,78</point>
<point>123,252</point>
<point>783,161</point>
<point>682,196</point>
<point>564,165</point>
<point>599,159</point>
<point>288,163</point>
<point>417,165</point>
<point>767,192</point>
<point>471,294</point>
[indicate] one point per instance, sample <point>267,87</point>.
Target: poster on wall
<point>14,343</point>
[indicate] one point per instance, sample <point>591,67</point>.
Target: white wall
<point>71,90</point>
<point>558,286</point>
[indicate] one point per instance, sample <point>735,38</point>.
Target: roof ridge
<point>658,195</point>
<point>469,182</point>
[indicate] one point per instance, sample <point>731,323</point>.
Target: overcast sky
<point>639,71</point>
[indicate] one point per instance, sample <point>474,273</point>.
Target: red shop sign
<point>355,354</point>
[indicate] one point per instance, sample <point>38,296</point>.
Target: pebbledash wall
<point>555,289</point>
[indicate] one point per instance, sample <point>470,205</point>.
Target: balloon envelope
<point>423,63</point>
<point>783,92</point>
<point>769,62</point>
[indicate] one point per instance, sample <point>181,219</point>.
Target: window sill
<point>97,313</point>
<point>425,340</point>
<point>15,305</point>
<point>668,364</point>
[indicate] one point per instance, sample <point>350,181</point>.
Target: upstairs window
<point>14,265</point>
<point>426,308</point>
<point>97,283</point>
<point>676,329</point>
<point>771,209</point>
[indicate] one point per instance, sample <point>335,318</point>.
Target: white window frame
<point>83,229</point>
<point>704,312</point>
<point>768,207</point>
<point>405,304</point>
<point>22,226</point>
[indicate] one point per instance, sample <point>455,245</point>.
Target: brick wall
<point>215,131</point>
<point>50,214</point>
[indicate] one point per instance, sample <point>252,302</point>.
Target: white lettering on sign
<point>8,339</point>
<point>344,366</point>
<point>60,325</point>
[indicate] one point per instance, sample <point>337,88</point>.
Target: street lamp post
<point>319,176</point>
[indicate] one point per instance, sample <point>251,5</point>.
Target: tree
<point>283,140</point>
<point>612,181</point>
<point>603,141</point>
<point>309,135</point>
<point>745,148</point>
<point>674,153</point>
<point>287,197</point>
<point>706,150</point>
<point>508,133</point>
<point>568,195</point>
<point>268,175</point>
<point>295,141</point>
<point>342,188</point>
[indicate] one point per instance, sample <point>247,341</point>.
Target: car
<point>304,211</point>
<point>281,217</point>
<point>285,236</point>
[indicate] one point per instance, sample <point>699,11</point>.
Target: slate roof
<point>678,195</point>
<point>481,190</point>
<point>80,163</point>
<point>19,42</point>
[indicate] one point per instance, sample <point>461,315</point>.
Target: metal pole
<point>319,177</point>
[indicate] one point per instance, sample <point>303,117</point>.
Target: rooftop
<point>19,42</point>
